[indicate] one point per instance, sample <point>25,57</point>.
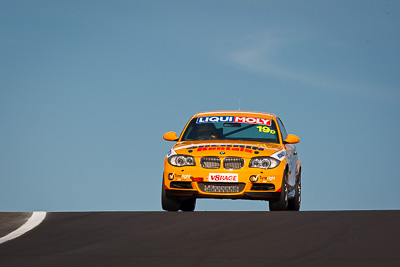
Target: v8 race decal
<point>223,177</point>
<point>235,119</point>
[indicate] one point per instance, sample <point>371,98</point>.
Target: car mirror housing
<point>292,139</point>
<point>170,136</point>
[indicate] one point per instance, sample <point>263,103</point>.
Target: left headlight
<point>181,160</point>
<point>264,163</point>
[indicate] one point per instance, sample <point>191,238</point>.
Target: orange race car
<point>232,155</point>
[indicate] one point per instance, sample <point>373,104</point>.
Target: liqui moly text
<point>235,119</point>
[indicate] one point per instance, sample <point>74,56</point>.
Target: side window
<point>282,128</point>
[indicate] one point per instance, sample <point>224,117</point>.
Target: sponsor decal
<point>236,119</point>
<point>268,179</point>
<point>280,155</point>
<point>183,176</point>
<point>223,177</point>
<point>171,153</point>
<point>215,119</point>
<point>220,147</point>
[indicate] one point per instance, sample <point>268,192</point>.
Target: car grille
<point>229,163</point>
<point>210,162</point>
<point>222,188</point>
<point>233,163</point>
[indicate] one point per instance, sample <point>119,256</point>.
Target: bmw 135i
<point>232,155</point>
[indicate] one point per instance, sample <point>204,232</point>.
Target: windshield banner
<point>235,119</point>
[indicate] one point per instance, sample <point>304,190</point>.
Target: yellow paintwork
<point>170,136</point>
<point>188,173</point>
<point>292,139</point>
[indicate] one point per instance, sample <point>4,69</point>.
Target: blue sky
<point>88,88</point>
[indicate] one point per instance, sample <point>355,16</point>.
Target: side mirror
<point>170,136</point>
<point>291,139</point>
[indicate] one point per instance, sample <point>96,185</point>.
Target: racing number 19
<point>265,129</point>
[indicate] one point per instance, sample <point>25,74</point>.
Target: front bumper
<point>192,182</point>
<point>178,193</point>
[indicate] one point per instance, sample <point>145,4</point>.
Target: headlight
<point>264,163</point>
<point>181,160</point>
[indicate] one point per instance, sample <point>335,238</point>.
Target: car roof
<point>236,113</point>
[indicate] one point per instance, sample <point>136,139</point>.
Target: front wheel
<point>168,204</point>
<point>282,202</point>
<point>188,204</point>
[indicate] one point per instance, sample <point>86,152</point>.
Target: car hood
<point>244,149</point>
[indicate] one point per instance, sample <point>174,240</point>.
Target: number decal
<point>265,129</point>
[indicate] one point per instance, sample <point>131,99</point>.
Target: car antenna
<point>239,104</point>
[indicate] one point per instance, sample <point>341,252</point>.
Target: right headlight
<point>263,163</point>
<point>181,160</point>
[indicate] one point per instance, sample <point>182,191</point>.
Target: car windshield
<point>231,128</point>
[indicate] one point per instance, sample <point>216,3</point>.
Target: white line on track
<point>36,218</point>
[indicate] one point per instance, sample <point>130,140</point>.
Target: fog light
<point>171,176</point>
<point>253,178</point>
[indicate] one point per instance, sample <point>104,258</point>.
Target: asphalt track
<point>10,221</point>
<point>330,238</point>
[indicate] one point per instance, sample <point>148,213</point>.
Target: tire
<point>282,203</point>
<point>188,205</point>
<point>294,203</point>
<point>167,203</point>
